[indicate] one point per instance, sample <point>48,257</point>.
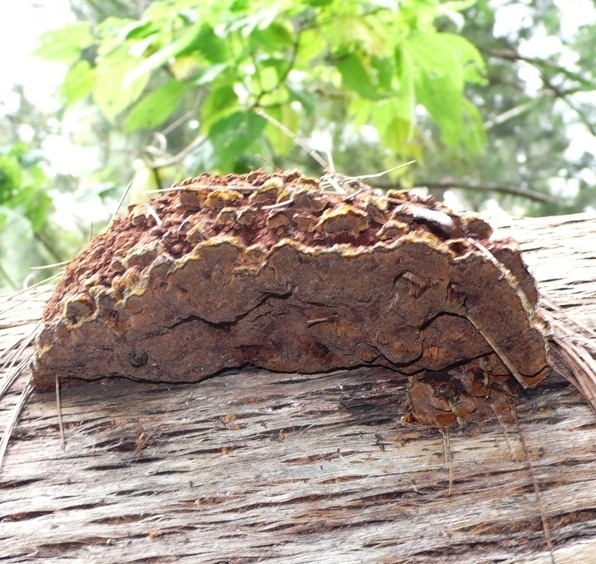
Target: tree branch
<point>510,54</point>
<point>512,190</point>
<point>547,70</point>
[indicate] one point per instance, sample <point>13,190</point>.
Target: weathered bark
<point>258,466</point>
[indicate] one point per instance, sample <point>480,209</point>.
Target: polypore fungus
<point>272,271</point>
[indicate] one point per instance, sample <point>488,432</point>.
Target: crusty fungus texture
<point>274,271</point>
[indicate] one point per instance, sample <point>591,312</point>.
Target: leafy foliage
<point>378,59</point>
<point>24,202</point>
<point>35,228</point>
<point>23,186</point>
<point>540,132</point>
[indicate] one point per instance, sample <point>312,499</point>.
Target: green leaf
<point>78,82</point>
<point>360,110</point>
<point>467,55</point>
<point>367,34</point>
<point>419,14</point>
<point>440,64</point>
<point>156,107</point>
<point>405,72</point>
<point>163,55</point>
<point>232,135</point>
<point>271,70</point>
<point>109,92</point>
<point>384,72</point>
<point>396,133</point>
<point>11,177</point>
<point>65,45</point>
<point>220,102</point>
<point>356,77</point>
<point>112,34</point>
<point>395,121</point>
<point>318,3</point>
<point>139,29</point>
<point>4,213</point>
<point>273,38</point>
<point>23,185</point>
<point>34,204</point>
<point>311,47</point>
<point>213,47</point>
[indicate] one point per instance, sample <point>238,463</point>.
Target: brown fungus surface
<point>272,271</point>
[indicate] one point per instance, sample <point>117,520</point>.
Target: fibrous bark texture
<point>275,272</point>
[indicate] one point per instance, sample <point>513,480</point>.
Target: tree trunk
<point>256,466</point>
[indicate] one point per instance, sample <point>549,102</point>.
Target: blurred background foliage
<point>494,100</point>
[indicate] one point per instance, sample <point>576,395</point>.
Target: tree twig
<point>446,185</point>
